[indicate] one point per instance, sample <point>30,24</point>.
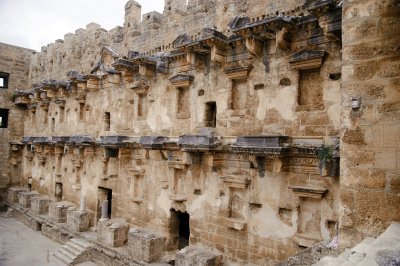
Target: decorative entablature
<point>210,41</point>
<point>198,143</point>
<point>309,191</point>
<point>112,141</point>
<point>269,146</point>
<point>22,98</point>
<point>181,80</point>
<point>126,67</point>
<point>262,29</point>
<point>80,141</point>
<point>307,59</point>
<point>50,89</point>
<point>149,65</point>
<point>152,142</point>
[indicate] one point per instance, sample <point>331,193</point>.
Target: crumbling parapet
<point>198,256</point>
<point>58,211</point>
<point>40,204</point>
<point>146,245</point>
<point>113,232</point>
<point>77,220</point>
<point>24,198</point>
<point>12,195</point>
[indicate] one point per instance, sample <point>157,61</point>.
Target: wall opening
<point>58,191</point>
<point>53,124</point>
<point>111,152</point>
<point>142,105</point>
<point>239,95</point>
<point>104,194</point>
<point>211,114</point>
<point>180,228</point>
<point>4,118</point>
<point>82,112</point>
<point>310,89</point>
<point>107,121</point>
<point>183,110</point>
<point>4,77</point>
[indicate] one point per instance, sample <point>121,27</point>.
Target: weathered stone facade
<point>218,124</point>
<point>14,74</point>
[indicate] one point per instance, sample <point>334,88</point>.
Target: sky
<point>36,23</point>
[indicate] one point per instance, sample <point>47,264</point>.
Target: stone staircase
<point>76,250</point>
<point>384,250</point>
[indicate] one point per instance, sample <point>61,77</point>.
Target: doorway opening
<point>211,114</point>
<point>104,194</point>
<point>180,228</point>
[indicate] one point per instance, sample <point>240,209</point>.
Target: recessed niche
<point>259,86</point>
<point>200,93</point>
<point>285,82</point>
<point>335,76</point>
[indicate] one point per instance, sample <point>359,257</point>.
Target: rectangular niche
<point>182,108</point>
<point>211,114</point>
<point>310,89</point>
<point>239,95</point>
<point>142,105</point>
<point>138,188</point>
<point>107,121</point>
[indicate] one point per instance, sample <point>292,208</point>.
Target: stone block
<point>40,205</point>
<point>197,256</point>
<point>113,232</point>
<point>146,245</point>
<point>77,220</point>
<point>12,196</point>
<point>24,198</point>
<point>58,211</point>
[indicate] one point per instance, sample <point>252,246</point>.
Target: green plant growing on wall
<point>325,155</point>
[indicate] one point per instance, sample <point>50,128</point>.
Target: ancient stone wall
<point>14,70</point>
<point>222,123</point>
<point>370,133</point>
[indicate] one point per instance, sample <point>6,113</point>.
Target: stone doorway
<point>180,228</point>
<point>104,194</point>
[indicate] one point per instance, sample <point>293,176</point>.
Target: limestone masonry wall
<point>250,128</point>
<point>14,71</point>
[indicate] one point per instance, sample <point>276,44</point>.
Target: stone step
<point>80,242</point>
<point>72,250</point>
<point>75,246</point>
<point>330,261</point>
<point>67,253</point>
<point>363,246</point>
<point>64,259</point>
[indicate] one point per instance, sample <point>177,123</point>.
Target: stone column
<point>83,204</point>
<point>104,211</point>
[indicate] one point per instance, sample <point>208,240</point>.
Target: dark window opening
<point>211,114</point>
<point>111,153</point>
<point>4,77</point>
<point>3,118</point>
<point>180,228</point>
<point>107,121</point>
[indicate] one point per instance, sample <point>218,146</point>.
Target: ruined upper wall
<point>153,31</point>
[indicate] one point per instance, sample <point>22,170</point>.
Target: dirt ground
<point>20,245</point>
